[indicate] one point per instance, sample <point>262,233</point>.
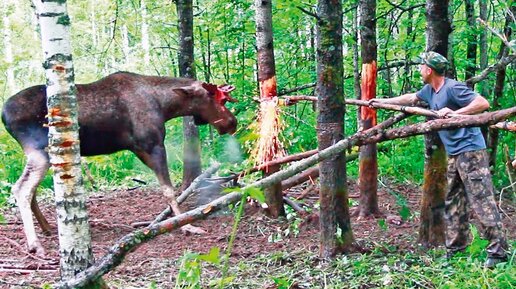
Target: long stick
<point>375,134</point>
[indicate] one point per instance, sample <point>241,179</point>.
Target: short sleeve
<point>424,94</point>
<point>462,95</point>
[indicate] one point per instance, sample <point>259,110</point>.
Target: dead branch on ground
<point>373,135</point>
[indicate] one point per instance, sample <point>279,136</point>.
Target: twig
<point>501,36</point>
<point>309,13</point>
<point>22,249</point>
<point>294,205</point>
<point>193,186</point>
<point>504,61</point>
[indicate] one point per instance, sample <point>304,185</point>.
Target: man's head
<point>432,62</point>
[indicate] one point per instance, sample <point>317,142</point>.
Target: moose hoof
<point>193,230</point>
<point>38,250</point>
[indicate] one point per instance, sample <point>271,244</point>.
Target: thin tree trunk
<point>431,231</point>
<point>191,143</point>
<point>335,226</point>
<point>268,91</point>
<point>368,165</point>
<point>145,35</point>
<point>493,136</point>
<point>64,149</point>
<point>483,10</point>
<point>8,49</point>
<point>471,46</point>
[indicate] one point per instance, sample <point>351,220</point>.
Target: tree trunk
<point>335,225</point>
<point>483,10</point>
<point>64,148</point>
<point>368,167</point>
<point>145,35</point>
<point>191,143</point>
<point>8,49</point>
<point>471,46</point>
<point>492,140</point>
<point>268,91</point>
<point>431,231</point>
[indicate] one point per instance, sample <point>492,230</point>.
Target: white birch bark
<point>72,217</point>
<point>145,35</point>
<point>8,49</point>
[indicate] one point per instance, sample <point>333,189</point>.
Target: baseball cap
<point>433,60</point>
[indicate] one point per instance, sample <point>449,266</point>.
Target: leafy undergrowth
<point>379,269</point>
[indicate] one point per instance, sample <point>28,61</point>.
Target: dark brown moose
<point>123,111</point>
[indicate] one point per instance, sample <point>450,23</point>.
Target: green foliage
<point>190,270</point>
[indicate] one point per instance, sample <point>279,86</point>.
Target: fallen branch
<point>193,186</point>
<point>311,173</point>
<point>375,134</point>
<point>294,205</point>
<point>505,125</point>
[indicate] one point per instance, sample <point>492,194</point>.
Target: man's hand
<point>372,101</point>
<point>444,112</point>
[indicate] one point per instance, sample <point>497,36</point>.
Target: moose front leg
<point>24,191</point>
<point>156,160</point>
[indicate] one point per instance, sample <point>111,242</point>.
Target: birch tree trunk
<point>64,148</point>
<point>8,49</point>
<point>268,93</point>
<point>368,166</point>
<point>431,231</point>
<point>191,143</point>
<point>335,226</point>
<point>145,35</point>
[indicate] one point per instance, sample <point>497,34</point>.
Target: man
<point>469,179</point>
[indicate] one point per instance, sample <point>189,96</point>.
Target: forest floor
<point>156,264</point>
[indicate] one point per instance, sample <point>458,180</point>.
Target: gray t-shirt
<point>454,95</point>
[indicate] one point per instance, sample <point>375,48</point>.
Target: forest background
<point>142,36</point>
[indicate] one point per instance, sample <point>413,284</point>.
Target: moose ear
<point>212,88</point>
<point>181,91</point>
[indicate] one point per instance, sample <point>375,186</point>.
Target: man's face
<point>425,72</point>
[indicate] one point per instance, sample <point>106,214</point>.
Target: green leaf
<point>212,257</point>
<point>405,212</point>
<point>383,224</point>
<point>256,194</point>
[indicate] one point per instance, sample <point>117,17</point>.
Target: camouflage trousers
<point>469,183</point>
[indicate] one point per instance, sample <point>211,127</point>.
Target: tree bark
<point>145,35</point>
<point>493,136</point>
<point>375,134</point>
<point>268,92</point>
<point>191,143</point>
<point>8,49</point>
<point>471,45</point>
<point>335,226</point>
<point>483,10</point>
<point>431,230</point>
<point>64,147</point>
<point>368,164</point>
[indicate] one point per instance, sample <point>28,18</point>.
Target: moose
<point>123,111</point>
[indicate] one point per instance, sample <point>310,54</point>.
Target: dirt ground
<point>112,214</point>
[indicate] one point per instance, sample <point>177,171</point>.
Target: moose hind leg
<point>42,221</point>
<point>24,190</point>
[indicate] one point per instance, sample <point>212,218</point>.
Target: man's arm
<point>405,99</point>
<point>478,104</point>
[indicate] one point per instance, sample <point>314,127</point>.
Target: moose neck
<point>173,99</point>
